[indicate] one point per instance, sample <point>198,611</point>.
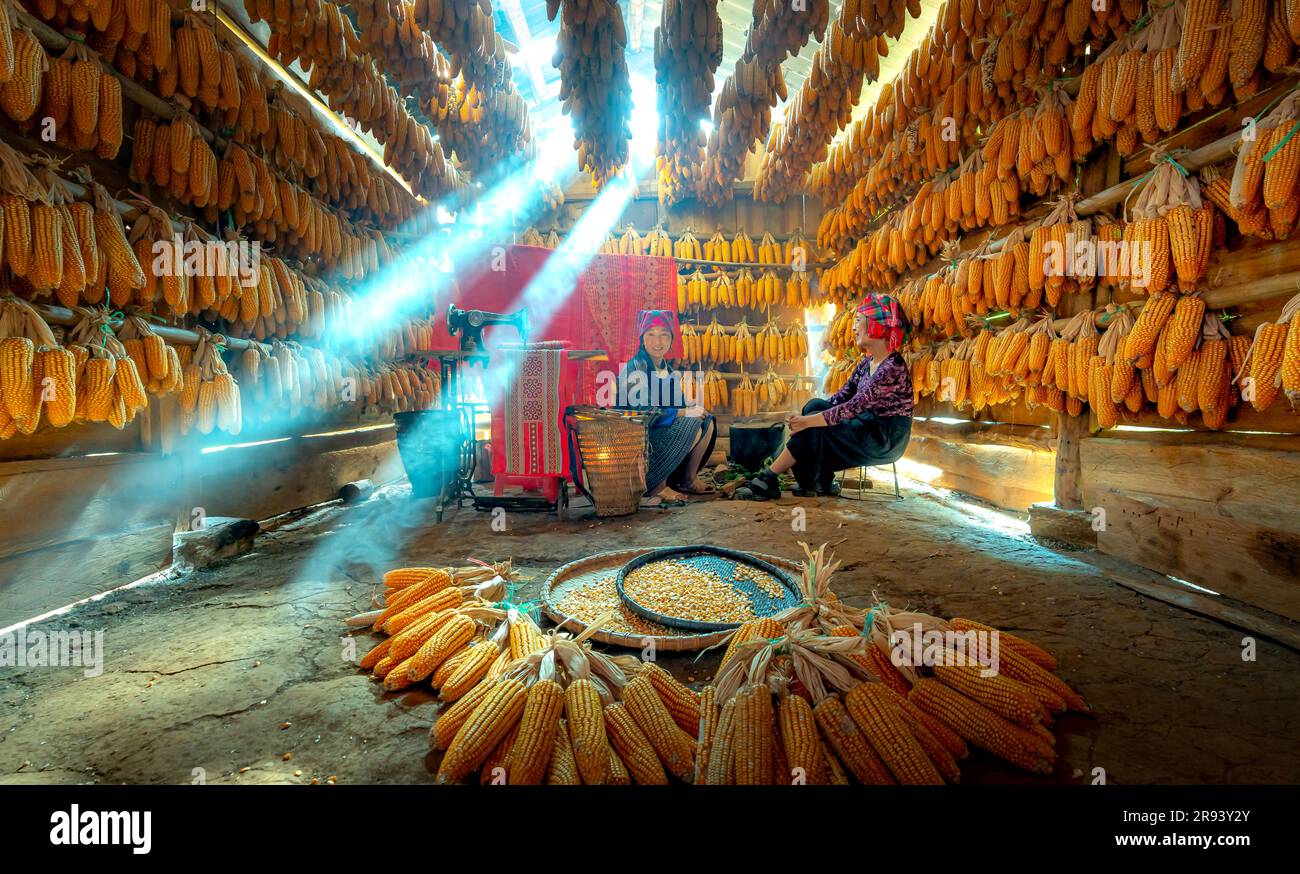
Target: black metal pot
<point>751,445</point>
<point>430,443</point>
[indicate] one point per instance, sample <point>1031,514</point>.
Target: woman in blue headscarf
<point>681,437</point>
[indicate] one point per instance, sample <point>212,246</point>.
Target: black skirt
<point>865,441</point>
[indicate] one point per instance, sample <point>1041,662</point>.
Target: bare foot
<point>670,494</point>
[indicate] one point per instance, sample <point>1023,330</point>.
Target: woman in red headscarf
<point>681,437</point>
<point>866,423</point>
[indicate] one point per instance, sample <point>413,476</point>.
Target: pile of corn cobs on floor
<point>810,695</point>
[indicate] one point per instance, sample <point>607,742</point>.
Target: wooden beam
<point>1161,588</point>
<point>55,315</point>
<point>1032,437</point>
<point>1068,526</point>
<point>1249,562</point>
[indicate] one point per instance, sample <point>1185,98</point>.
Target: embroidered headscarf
<point>647,319</point>
<point>884,319</point>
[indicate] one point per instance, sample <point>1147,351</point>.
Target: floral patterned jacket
<point>887,392</point>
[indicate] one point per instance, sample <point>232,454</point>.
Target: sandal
<point>662,501</point>
<point>697,490</point>
<point>655,502</point>
<point>765,486</point>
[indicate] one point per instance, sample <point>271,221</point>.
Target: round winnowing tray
<point>605,566</point>
<point>768,588</point>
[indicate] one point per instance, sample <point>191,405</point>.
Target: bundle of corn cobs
<point>467,33</point>
<point>688,49</point>
<point>741,345</point>
<point>841,368</point>
<point>976,66</point>
<point>439,620</point>
<point>90,379</point>
<point>743,114</point>
<point>1173,357</point>
<point>1273,363</point>
<point>480,116</point>
<point>824,103</point>
<point>322,39</point>
<point>594,84</point>
<point>286,380</point>
<point>79,101</point>
<point>822,693</point>
<point>55,245</point>
<point>1262,194</point>
<point>209,398</point>
<point>196,66</point>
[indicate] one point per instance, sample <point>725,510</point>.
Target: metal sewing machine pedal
<point>439,447</point>
<point>469,325</point>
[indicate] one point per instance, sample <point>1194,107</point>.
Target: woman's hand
<point>799,423</point>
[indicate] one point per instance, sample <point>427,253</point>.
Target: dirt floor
<point>220,675</point>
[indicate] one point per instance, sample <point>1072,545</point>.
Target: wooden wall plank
<point>35,582</point>
<point>1202,509</point>
<point>1009,477</point>
<point>1252,563</point>
<point>257,482</point>
<point>53,501</point>
<point>1251,485</point>
<point>75,440</point>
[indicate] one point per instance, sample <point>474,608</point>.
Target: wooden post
<point>1069,431</point>
<point>1102,174</point>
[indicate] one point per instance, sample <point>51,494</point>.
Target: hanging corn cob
<point>37,374</point>
<point>742,112</point>
<point>658,244</point>
<point>594,83</point>
<point>744,399</point>
<point>687,51</point>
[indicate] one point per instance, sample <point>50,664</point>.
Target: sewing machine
<point>469,324</point>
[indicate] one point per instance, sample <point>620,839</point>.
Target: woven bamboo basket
<point>613,449</point>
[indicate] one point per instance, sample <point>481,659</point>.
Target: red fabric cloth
<point>527,431</point>
<point>590,301</point>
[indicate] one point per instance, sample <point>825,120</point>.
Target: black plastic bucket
<point>429,442</point>
<point>751,445</point>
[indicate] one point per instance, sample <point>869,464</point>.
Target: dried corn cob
<point>682,703</point>
<point>982,727</point>
<point>562,769</point>
<point>536,741</point>
<point>583,708</point>
<point>633,747</point>
<point>882,722</point>
<point>675,749</point>
<point>495,716</point>
<point>850,744</point>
